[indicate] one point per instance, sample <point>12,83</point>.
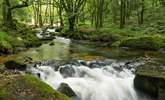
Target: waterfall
<point>100,83</point>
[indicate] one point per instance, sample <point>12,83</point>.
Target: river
<point>93,71</point>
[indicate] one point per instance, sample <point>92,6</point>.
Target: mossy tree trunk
<point>7,12</point>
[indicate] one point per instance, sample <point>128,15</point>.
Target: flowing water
<point>104,83</point>
<point>93,72</point>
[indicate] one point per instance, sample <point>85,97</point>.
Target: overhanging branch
<point>24,4</point>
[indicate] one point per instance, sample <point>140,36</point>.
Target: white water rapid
<point>103,83</point>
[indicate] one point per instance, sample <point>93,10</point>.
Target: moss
<point>146,42</point>
<point>150,78</point>
<point>65,89</point>
<point>5,42</point>
<point>31,40</point>
<point>27,87</point>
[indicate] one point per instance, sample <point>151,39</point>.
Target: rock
<point>67,71</point>
<point>52,44</point>
<point>15,65</point>
<point>74,62</point>
<point>150,78</point>
<point>26,87</point>
<point>59,29</point>
<point>94,64</point>
<point>65,89</point>
<point>82,62</point>
<point>55,63</point>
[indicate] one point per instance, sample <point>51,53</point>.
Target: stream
<point>93,72</point>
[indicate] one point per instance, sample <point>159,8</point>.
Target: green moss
<point>31,40</point>
<point>146,42</point>
<point>150,78</point>
<point>26,87</point>
<point>151,69</point>
<point>5,41</point>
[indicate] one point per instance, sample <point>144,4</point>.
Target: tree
<point>72,8</point>
<point>7,12</point>
<point>141,14</point>
<point>122,13</point>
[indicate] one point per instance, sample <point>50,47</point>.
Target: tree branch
<point>24,4</point>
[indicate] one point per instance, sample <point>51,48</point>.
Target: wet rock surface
<point>150,78</point>
<point>65,89</point>
<point>67,71</point>
<point>15,65</point>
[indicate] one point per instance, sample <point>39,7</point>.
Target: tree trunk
<point>142,13</point>
<point>72,23</point>
<point>122,14</point>
<point>40,13</point>
<point>60,17</point>
<point>7,14</point>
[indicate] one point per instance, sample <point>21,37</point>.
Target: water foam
<point>104,83</point>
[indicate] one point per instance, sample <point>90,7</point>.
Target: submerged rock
<point>52,43</point>
<point>150,78</point>
<point>65,89</point>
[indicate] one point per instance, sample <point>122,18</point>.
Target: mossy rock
<point>65,89</point>
<point>146,42</point>
<point>30,40</point>
<point>26,87</point>
<point>15,65</point>
<point>150,78</point>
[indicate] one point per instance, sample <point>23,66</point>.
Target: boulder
<point>150,78</point>
<point>15,65</point>
<point>65,89</point>
<point>27,87</point>
<point>67,71</point>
